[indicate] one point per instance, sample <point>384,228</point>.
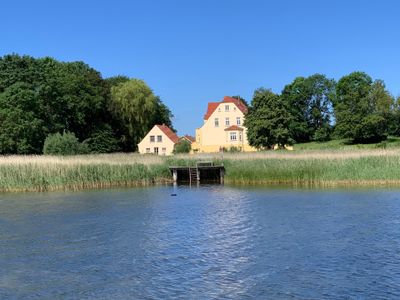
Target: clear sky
<point>191,52</point>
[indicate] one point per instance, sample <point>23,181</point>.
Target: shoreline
<point>313,169</point>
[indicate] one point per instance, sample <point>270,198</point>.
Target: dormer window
<point>226,107</point>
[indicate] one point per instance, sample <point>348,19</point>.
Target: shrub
<point>102,141</point>
<point>183,146</point>
<point>65,144</point>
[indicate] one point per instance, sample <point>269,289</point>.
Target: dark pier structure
<point>202,172</point>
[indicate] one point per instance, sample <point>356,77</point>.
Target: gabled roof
<point>212,106</point>
<point>169,133</point>
<point>234,128</point>
<point>189,138</point>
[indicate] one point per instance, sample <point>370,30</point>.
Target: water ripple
<point>211,242</point>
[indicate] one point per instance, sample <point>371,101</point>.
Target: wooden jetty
<point>202,172</point>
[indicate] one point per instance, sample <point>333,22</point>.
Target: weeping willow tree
<point>138,109</point>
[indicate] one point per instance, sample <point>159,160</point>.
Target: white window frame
<point>226,107</point>
<point>152,139</point>
<point>227,122</point>
<point>156,150</point>
<point>238,121</point>
<point>216,122</point>
<point>159,138</point>
<point>233,136</point>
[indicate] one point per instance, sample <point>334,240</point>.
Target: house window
<point>219,109</point>
<point>152,139</point>
<point>227,121</point>
<point>233,136</point>
<point>155,150</point>
<point>163,150</point>
<point>147,150</point>
<point>159,138</point>
<point>238,120</point>
<point>216,122</point>
<point>226,107</point>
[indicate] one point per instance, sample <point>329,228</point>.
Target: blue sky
<point>191,52</point>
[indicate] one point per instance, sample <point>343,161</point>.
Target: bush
<point>233,149</point>
<point>183,146</point>
<point>65,144</point>
<point>322,134</point>
<point>102,141</point>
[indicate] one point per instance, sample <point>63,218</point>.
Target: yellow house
<point>159,140</point>
<point>223,127</point>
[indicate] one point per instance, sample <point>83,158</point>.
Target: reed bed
<point>50,173</point>
<point>297,168</point>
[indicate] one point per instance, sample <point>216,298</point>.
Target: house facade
<point>223,127</point>
<point>159,140</point>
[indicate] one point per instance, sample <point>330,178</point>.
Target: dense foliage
<point>268,120</point>
<point>65,144</point>
<point>362,108</point>
<point>355,108</point>
<point>183,146</point>
<point>43,96</point>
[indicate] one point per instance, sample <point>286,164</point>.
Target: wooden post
<point>175,175</point>
<point>198,174</point>
<point>221,175</point>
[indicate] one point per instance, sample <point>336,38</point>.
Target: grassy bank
<point>309,168</point>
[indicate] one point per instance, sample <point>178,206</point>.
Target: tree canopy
<point>362,108</point>
<point>268,120</point>
<point>309,100</point>
<point>40,97</point>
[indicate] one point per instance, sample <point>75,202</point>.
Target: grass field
<point>348,166</point>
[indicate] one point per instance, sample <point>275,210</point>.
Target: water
<point>211,242</point>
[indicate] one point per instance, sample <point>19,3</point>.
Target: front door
<point>156,150</point>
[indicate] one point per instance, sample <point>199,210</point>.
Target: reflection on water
<point>211,242</point>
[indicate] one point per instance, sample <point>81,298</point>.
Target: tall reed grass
<point>312,168</point>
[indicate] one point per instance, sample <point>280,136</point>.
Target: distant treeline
<point>316,108</point>
<point>44,98</point>
<point>69,108</point>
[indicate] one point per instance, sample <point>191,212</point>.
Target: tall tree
<point>310,102</point>
<point>362,108</point>
<point>46,96</point>
<point>138,108</point>
<point>268,120</point>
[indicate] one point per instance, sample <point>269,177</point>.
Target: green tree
<point>362,108</point>
<point>135,104</point>
<point>268,120</point>
<point>183,146</point>
<point>102,140</point>
<point>310,103</point>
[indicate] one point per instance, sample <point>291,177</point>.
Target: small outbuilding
<point>159,140</point>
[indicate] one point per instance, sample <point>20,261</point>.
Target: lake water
<point>211,242</point>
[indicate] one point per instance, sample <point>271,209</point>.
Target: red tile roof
<point>169,133</point>
<point>212,106</point>
<point>234,128</point>
<point>189,138</point>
